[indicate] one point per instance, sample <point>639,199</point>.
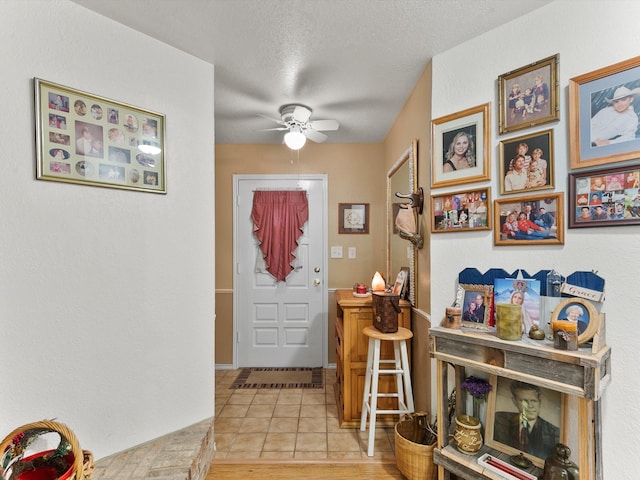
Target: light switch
<point>352,252</point>
<point>336,252</point>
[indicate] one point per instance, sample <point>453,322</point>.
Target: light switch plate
<point>352,252</point>
<point>336,252</point>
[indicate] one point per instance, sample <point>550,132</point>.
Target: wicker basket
<point>76,464</point>
<point>386,307</point>
<point>414,460</point>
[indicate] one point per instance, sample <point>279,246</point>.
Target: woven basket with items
<point>22,459</point>
<point>415,439</point>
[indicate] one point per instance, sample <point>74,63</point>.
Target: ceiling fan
<point>295,120</point>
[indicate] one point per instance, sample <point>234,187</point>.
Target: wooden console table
<point>353,314</point>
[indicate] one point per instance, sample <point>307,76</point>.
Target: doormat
<point>301,377</point>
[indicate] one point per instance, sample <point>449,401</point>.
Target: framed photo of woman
<point>603,115</point>
<point>461,147</point>
<point>526,163</point>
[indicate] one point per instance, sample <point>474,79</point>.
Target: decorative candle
<point>377,284</point>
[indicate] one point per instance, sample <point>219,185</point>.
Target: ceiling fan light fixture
<point>295,139</point>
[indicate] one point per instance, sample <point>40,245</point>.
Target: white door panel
<point>280,324</point>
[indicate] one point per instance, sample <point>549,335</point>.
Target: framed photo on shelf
<point>477,306</point>
<point>579,311</point>
<point>353,218</point>
<point>524,292</point>
<point>86,139</point>
<point>461,211</point>
<point>512,406</point>
<point>603,120</point>
<point>531,220</point>
<point>526,163</point>
<point>402,282</point>
<point>605,197</point>
<point>529,95</point>
<point>461,147</point>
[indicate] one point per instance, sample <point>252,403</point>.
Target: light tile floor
<point>299,424</point>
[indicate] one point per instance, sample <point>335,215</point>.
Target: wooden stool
<point>401,371</point>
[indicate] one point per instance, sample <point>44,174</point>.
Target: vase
<point>467,434</point>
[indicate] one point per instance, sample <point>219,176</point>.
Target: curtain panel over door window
<point>278,218</point>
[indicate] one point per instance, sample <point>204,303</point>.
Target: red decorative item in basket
<point>386,307</point>
<point>67,462</point>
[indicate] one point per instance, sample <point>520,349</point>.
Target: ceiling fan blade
<point>277,120</point>
<point>301,114</point>
<point>272,129</point>
<point>324,125</point>
<point>315,136</point>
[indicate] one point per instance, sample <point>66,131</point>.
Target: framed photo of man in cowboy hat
<point>604,122</point>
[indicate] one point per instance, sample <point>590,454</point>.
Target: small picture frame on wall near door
<point>353,218</point>
<point>529,95</point>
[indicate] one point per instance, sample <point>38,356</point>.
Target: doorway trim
<point>273,178</point>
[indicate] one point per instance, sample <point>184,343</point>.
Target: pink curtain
<point>278,218</point>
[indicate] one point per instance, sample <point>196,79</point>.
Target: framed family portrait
<point>605,197</point>
<point>477,306</point>
<point>461,147</point>
<point>529,95</point>
<point>401,285</point>
<point>87,139</point>
<point>523,417</point>
<point>461,211</point>
<point>580,312</point>
<point>526,163</point>
<point>353,218</point>
<point>603,115</point>
<point>531,220</point>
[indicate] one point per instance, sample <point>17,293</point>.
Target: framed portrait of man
<point>524,418</point>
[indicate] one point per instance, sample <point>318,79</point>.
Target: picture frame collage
<point>87,139</point>
<point>529,97</point>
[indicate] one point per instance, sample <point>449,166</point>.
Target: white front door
<point>281,324</point>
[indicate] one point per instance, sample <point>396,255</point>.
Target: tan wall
<point>356,174</point>
<point>414,121</point>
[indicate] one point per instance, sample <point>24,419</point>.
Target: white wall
<point>587,36</point>
<point>106,296</point>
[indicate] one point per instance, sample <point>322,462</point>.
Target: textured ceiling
<point>355,61</point>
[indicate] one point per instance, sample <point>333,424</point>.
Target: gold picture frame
<point>589,316</point>
<point>449,168</point>
<point>519,108</point>
<point>86,139</point>
<point>551,232</point>
<point>591,97</point>
<point>461,211</point>
<point>536,147</point>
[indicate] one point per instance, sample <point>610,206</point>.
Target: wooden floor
<point>313,471</point>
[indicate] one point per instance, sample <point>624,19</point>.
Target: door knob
<point>316,282</point>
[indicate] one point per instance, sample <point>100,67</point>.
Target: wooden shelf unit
<point>353,314</point>
<point>582,374</point>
